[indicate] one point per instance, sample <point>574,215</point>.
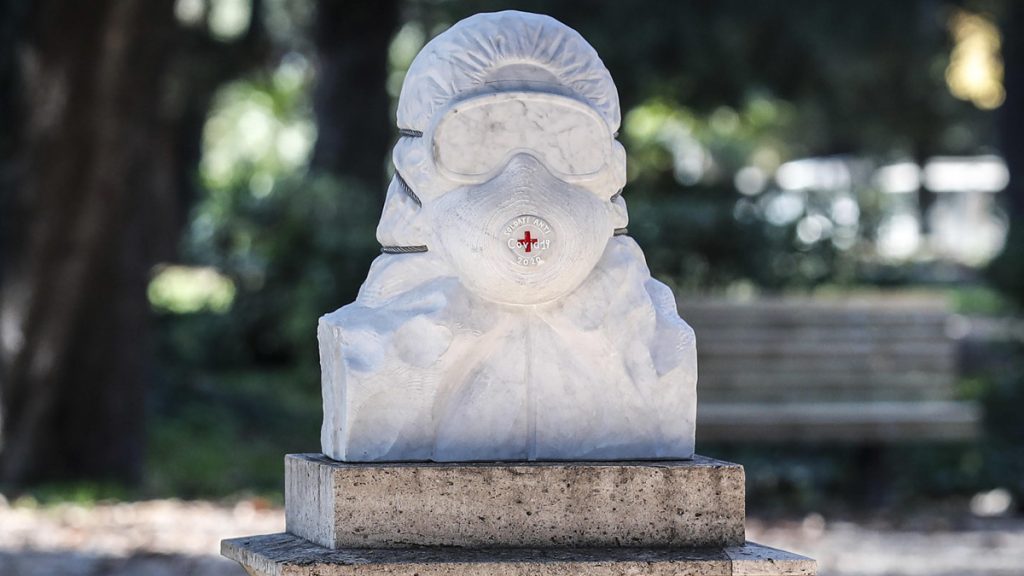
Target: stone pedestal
<point>672,517</point>
<point>285,554</point>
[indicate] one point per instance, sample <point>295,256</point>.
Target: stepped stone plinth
<point>504,505</point>
<point>285,554</point>
<point>658,517</point>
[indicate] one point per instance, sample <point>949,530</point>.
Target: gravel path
<point>936,547</point>
<point>150,538</point>
<point>171,537</point>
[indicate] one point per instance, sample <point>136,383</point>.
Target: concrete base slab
<point>681,503</point>
<point>288,555</point>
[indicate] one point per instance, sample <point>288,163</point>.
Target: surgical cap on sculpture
<point>471,65</point>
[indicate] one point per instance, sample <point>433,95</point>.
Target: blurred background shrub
<point>775,148</point>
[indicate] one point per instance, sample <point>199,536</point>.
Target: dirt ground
<point>170,537</point>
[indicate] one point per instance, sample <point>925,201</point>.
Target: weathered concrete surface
<point>694,503</point>
<point>285,554</point>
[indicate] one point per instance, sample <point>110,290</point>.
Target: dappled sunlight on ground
<point>924,545</point>
<point>175,537</point>
<point>150,537</point>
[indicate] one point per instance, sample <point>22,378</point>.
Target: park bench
<point>805,370</point>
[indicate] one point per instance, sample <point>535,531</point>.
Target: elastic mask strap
<point>618,231</point>
<point>402,249</point>
<point>407,190</point>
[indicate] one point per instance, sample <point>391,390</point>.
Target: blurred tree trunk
<point>106,138</point>
<point>1007,271</point>
<point>11,20</point>
<point>352,104</point>
<point>1012,111</point>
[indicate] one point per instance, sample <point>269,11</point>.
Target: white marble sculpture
<point>509,316</point>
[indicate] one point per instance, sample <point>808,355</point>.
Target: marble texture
<point>510,317</point>
<point>691,503</point>
<point>285,554</point>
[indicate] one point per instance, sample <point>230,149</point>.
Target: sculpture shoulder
<point>403,280</point>
<point>622,283</point>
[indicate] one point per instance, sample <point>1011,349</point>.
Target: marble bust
<point>509,316</point>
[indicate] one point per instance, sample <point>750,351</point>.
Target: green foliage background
<point>754,84</point>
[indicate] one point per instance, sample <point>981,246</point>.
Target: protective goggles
<point>474,139</point>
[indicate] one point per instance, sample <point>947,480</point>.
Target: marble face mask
<point>524,236</point>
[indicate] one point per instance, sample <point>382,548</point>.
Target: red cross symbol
<point>527,242</point>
